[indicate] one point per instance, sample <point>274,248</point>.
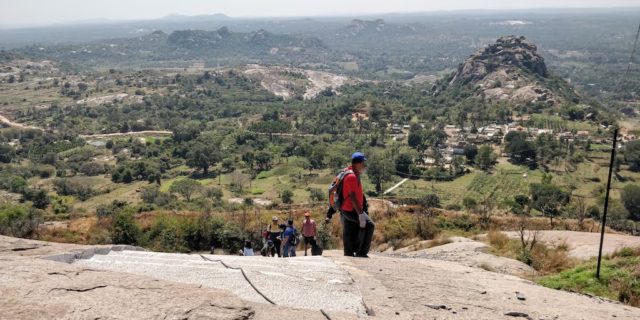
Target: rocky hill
<point>511,69</point>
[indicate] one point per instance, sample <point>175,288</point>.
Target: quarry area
<point>66,281</point>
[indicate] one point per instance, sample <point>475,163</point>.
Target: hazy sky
<point>42,12</point>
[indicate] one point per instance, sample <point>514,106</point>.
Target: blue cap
<point>358,157</point>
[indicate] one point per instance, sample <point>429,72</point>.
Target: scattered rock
<point>520,296</point>
<point>436,306</point>
<point>517,314</point>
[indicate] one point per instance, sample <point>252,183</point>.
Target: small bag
<point>316,250</point>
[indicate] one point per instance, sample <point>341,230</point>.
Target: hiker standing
<point>357,227</point>
<point>274,234</point>
<point>309,231</point>
<point>290,240</point>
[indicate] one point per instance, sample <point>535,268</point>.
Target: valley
<point>146,152</point>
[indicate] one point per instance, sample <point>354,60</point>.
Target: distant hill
<point>378,27</point>
<point>158,48</point>
<point>511,70</point>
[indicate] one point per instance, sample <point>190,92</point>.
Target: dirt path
<point>124,134</point>
<point>12,124</point>
<point>396,186</point>
<point>584,245</point>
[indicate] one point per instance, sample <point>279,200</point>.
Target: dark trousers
<point>356,240</point>
<point>276,248</point>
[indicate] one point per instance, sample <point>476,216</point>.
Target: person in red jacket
<point>357,227</point>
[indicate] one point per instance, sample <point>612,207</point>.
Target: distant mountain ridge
<point>219,45</point>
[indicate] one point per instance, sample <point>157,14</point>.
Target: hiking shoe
<point>362,256</point>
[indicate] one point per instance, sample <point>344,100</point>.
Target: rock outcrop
<point>509,69</point>
<point>38,282</point>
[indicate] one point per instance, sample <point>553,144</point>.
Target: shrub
<point>287,196</point>
<point>92,169</point>
<point>110,210</point>
<point>453,207</point>
<point>398,228</point>
<point>125,230</point>
<point>462,222</point>
<point>316,194</point>
<point>68,187</point>
<point>19,221</point>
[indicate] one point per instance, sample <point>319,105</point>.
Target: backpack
<point>316,250</point>
<point>296,237</point>
<point>335,189</point>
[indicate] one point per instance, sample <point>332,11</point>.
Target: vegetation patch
<point>619,277</point>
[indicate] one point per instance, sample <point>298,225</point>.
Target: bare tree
<point>580,211</point>
<point>528,240</point>
<point>484,210</point>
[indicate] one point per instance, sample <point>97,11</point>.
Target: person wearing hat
<point>309,231</point>
<point>357,227</point>
<point>274,234</point>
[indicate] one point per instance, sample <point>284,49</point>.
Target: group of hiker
<point>282,240</point>
<point>346,196</point>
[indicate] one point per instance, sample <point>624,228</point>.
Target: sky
<point>20,13</point>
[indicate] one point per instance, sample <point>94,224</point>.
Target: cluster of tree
<point>141,170</point>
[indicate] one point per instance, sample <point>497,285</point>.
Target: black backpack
<point>316,250</point>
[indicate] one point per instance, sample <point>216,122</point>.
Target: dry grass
<point>544,259</point>
<point>498,240</point>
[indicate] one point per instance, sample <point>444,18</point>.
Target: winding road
<point>18,125</point>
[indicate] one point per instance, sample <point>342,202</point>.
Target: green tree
<point>403,164</point>
<point>470,152</point>
<point>548,198</point>
<point>485,158</point>
<point>39,198</point>
<point>263,160</point>
<point>286,197</point>
<point>416,137</point>
<point>125,230</point>
<point>7,153</point>
<point>632,154</point>
<point>187,131</point>
<point>519,149</point>
<point>379,170</point>
<point>215,194</point>
<point>631,200</point>
<point>203,155</point>
<point>185,187</point>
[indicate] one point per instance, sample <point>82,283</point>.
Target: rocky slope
<point>287,82</point>
<point>389,288</point>
<point>510,69</point>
